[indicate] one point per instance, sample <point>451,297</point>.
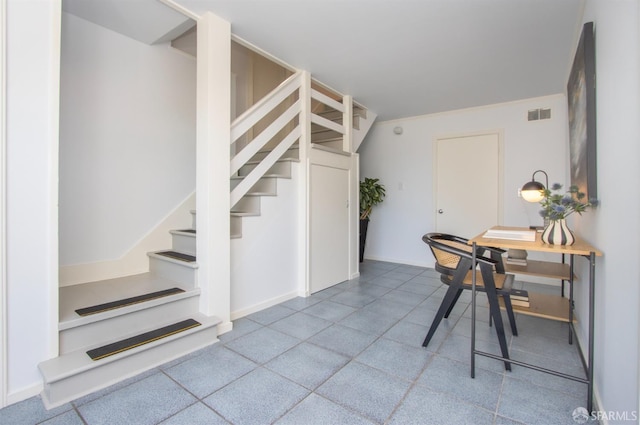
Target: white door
<point>329,227</point>
<point>468,184</point>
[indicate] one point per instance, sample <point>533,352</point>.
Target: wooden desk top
<point>579,247</point>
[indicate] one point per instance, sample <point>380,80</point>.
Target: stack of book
<point>517,257</point>
<point>519,297</point>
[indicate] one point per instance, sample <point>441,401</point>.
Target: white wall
<point>127,139</point>
<point>32,145</point>
<point>263,267</point>
<point>406,161</point>
<point>614,227</point>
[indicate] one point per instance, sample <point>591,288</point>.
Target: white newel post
<point>304,145</point>
<point>354,187</point>
<point>212,167</point>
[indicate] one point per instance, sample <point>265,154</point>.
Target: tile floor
<point>350,354</point>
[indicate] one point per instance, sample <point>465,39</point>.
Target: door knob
<point>440,211</point>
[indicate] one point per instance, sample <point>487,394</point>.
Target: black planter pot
<point>364,225</point>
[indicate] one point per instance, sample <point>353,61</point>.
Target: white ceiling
<point>400,58</point>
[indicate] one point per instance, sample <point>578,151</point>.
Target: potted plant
<point>371,193</point>
<point>556,207</point>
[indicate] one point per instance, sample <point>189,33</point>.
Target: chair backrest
<point>447,250</point>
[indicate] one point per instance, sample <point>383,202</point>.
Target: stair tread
<point>124,302</point>
<point>75,362</point>
<point>102,291</point>
<point>163,256</point>
<point>139,340</point>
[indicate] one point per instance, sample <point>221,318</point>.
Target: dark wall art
<point>581,93</point>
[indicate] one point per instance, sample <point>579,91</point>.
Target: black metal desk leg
<point>473,311</point>
<point>592,280</point>
<point>570,298</point>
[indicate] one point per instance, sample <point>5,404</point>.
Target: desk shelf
<point>550,307</point>
<point>541,268</point>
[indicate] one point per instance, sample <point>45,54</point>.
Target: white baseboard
<point>25,393</point>
<point>261,306</point>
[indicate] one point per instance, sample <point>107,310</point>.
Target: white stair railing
<point>266,106</point>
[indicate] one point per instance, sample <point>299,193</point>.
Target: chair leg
<point>453,304</point>
<point>445,305</point>
<point>512,317</point>
<point>494,307</point>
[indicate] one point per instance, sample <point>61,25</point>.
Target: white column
<point>3,226</point>
<point>304,145</point>
<point>212,167</point>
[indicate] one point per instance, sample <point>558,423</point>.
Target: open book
<point>514,235</point>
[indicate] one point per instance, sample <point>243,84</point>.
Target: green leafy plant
<point>371,193</point>
<point>557,205</point>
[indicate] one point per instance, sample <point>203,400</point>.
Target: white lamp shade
<point>532,195</point>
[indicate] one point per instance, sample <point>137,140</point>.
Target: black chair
<point>453,257</point>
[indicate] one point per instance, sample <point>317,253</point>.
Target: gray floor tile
<point>368,391</point>
<point>396,359</point>
<point>484,332</point>
<point>368,321</point>
<point>388,308</point>
<point>263,345</point>
<point>343,340</point>
<point>387,282</point>
<point>408,333</point>
<point>241,327</point>
<point>300,303</point>
<point>330,311</point>
<point>144,402</point>
<point>400,274</point>
<point>353,299</point>
<point>196,414</point>
<point>369,288</point>
<point>417,287</point>
<point>424,406</point>
<point>452,377</point>
<point>404,297</point>
<point>29,411</point>
<point>411,270</point>
<point>547,380</point>
<point>100,393</point>
<point>316,410</point>
<point>260,397</point>
<point>67,418</point>
<point>203,375</point>
<point>307,364</point>
<point>300,325</point>
<point>271,314</point>
<point>458,347</point>
<point>528,403</point>
<point>326,293</point>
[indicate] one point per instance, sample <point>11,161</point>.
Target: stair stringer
<point>365,125</point>
<point>264,262</point>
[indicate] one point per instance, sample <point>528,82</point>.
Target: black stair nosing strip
<point>178,256</point>
<point>142,339</point>
<point>100,308</point>
<point>186,230</point>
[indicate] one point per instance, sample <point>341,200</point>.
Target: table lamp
<point>533,191</point>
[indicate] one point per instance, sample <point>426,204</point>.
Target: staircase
<point>114,329</point>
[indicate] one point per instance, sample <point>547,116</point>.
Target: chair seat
<point>501,280</point>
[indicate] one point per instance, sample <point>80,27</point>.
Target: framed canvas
<point>581,95</point>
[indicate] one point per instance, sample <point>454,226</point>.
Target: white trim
<point>24,393</point>
<point>3,215</point>
<point>262,305</point>
<point>54,124</point>
<point>181,9</point>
